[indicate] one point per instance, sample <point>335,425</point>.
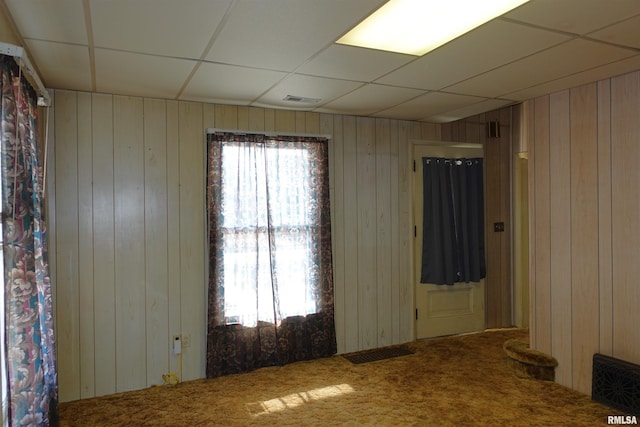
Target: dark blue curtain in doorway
<point>453,221</point>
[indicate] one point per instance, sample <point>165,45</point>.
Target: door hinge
<point>414,165</point>
<point>416,314</point>
<point>415,231</point>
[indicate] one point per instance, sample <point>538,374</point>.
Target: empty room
<point>299,212</point>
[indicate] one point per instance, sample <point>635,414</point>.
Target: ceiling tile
<point>60,20</point>
<point>369,99</point>
<point>180,29</point>
<point>569,58</point>
<point>308,87</point>
<point>624,33</point>
<point>614,69</point>
<point>62,66</point>
<point>428,105</point>
<point>467,111</point>
<point>575,16</point>
<point>483,49</point>
<point>282,35</point>
<point>229,84</point>
<point>144,75</point>
<point>352,63</point>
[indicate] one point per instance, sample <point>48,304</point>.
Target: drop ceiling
<point>256,52</point>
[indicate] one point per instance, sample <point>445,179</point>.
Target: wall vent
<point>616,383</point>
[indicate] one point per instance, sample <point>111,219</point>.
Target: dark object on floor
<point>377,354</point>
<point>528,363</point>
<point>616,383</point>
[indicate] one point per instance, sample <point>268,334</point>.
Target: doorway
<point>442,309</point>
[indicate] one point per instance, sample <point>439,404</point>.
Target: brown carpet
<point>450,381</point>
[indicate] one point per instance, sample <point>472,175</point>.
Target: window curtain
<point>29,354</point>
<point>270,291</point>
<point>453,221</point>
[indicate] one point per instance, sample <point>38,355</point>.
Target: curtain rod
<point>255,132</point>
<point>21,58</point>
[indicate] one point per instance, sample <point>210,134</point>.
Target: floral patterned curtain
<point>270,272</point>
<point>28,334</point>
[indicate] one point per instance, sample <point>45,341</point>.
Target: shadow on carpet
<point>377,354</point>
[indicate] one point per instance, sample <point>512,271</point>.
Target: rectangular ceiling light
<point>416,27</point>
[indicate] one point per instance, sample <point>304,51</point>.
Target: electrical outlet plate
<point>177,345</point>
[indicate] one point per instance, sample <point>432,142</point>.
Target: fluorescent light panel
<point>416,27</point>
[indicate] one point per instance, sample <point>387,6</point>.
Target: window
<point>270,289</point>
<point>249,218</point>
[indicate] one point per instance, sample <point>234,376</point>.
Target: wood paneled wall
<point>8,31</point>
<point>585,216</point>
<point>127,232</point>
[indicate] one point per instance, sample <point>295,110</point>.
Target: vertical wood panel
<point>446,132</point>
<point>68,334</point>
<point>396,235</point>
<point>493,213</point>
<point>521,241</point>
<point>256,119</point>
<point>208,116</point>
<point>366,203</point>
<point>518,128</point>
<point>192,237</point>
<point>560,233</point>
<point>584,233</point>
<point>542,225</point>
<point>506,301</point>
<point>104,251</point>
<point>473,130</point>
<point>405,230</point>
<point>285,121</point>
<point>226,117</point>
<point>312,123</point>
<point>85,247</point>
<point>173,231</point>
<point>269,120</point>
<point>300,122</point>
<point>383,232</point>
<point>243,117</point>
<point>604,217</point>
<point>408,131</point>
<point>528,116</point>
<point>430,131</point>
<point>350,215</point>
<point>625,177</point>
<point>519,194</point>
<point>155,216</point>
<point>129,243</point>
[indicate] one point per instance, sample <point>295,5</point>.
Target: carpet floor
<point>453,381</point>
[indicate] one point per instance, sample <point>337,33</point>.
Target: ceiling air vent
<point>301,99</point>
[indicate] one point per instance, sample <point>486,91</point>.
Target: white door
<point>443,309</point>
